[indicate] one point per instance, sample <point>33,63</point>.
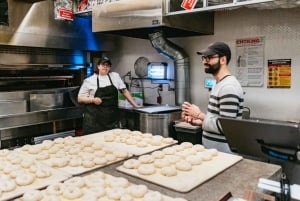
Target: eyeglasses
<point>105,65</point>
<point>208,58</point>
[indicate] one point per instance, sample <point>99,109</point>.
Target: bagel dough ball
<point>25,179</point>
<point>138,191</point>
<point>158,154</point>
<point>153,196</point>
<point>168,171</point>
<point>183,166</point>
<point>55,189</point>
<point>160,163</point>
<point>131,164</point>
<point>146,159</point>
<point>32,195</point>
<point>146,169</point>
<point>72,192</point>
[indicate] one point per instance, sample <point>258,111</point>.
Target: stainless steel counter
<point>237,179</point>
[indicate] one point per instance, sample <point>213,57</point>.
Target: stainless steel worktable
<point>237,179</point>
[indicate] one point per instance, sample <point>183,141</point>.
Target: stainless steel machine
<point>37,102</point>
<point>157,119</point>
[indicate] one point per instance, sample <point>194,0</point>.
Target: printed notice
<point>250,61</point>
<point>188,4</point>
<point>279,73</point>
<point>63,10</point>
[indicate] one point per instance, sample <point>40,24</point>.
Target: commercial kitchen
<point>47,49</point>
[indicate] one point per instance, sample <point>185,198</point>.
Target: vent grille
<point>37,51</point>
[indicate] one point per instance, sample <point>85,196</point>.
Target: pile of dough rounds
<point>96,186</point>
<point>137,138</point>
<point>17,170</point>
<point>74,152</point>
<point>172,160</point>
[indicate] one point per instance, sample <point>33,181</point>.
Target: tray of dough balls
<point>19,173</point>
<point>74,155</point>
<point>179,167</point>
<point>135,142</point>
<point>97,186</point>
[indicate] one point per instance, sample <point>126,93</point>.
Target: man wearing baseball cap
<point>226,97</point>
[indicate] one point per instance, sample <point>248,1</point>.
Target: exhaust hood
<point>136,18</point>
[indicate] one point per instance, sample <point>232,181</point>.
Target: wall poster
<point>250,61</point>
<point>3,12</point>
<point>279,73</point>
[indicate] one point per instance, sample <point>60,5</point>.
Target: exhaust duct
<point>181,65</point>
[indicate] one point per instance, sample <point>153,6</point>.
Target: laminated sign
<point>188,4</point>
<point>63,10</point>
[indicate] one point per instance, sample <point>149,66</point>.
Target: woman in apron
<point>99,94</point>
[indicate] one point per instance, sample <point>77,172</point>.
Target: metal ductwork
<point>181,64</point>
<point>137,18</point>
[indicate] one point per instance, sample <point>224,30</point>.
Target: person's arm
<point>129,97</point>
<point>85,96</point>
<point>89,100</point>
<point>122,87</point>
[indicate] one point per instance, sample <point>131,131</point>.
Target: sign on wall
<point>250,61</point>
<point>188,4</point>
<point>279,73</point>
<point>63,10</point>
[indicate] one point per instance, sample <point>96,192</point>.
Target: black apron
<point>105,116</point>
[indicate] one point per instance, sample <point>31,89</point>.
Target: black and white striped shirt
<point>226,100</point>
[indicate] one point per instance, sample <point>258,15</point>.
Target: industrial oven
<point>38,101</point>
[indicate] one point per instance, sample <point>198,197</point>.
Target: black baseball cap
<point>219,48</point>
<point>104,60</point>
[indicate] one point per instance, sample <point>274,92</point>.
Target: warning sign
<point>188,4</point>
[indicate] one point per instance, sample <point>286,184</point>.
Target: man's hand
<point>191,110</point>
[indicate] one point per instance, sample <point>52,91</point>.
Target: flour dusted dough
<point>32,195</point>
<point>131,163</point>
<point>115,193</point>
<point>183,165</point>
<point>194,159</point>
<point>158,154</point>
<point>153,196</point>
<point>146,169</point>
<point>72,192</point>
<point>138,191</point>
<point>25,179</point>
<point>160,163</point>
<point>146,159</point>
<point>55,189</point>
<point>169,171</point>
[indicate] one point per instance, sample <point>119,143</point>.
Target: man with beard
<point>226,98</point>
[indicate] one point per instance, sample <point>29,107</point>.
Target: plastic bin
<point>188,133</point>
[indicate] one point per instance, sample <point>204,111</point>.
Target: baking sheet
<point>132,149</point>
<point>185,181</point>
<point>107,178</point>
<point>39,183</point>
